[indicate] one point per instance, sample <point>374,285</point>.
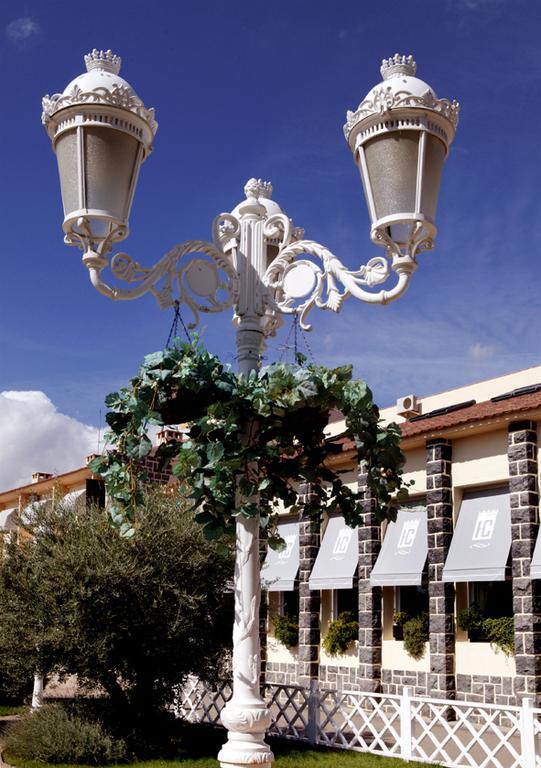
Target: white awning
<point>8,519</point>
<point>337,558</point>
<point>404,551</point>
<point>481,542</point>
<point>279,570</point>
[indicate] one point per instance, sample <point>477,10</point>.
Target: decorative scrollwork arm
<point>207,282</point>
<point>297,285</point>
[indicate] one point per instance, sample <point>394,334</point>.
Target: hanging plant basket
<point>259,434</point>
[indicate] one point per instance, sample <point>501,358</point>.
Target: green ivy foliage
<point>286,630</point>
<point>343,631</point>
<point>258,433</point>
<point>499,631</point>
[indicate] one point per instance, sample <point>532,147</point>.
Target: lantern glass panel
<point>66,155</point>
<point>391,159</point>
<point>110,163</point>
<point>434,159</point>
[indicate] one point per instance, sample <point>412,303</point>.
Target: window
<point>486,600</point>
<point>409,602</point>
<point>345,600</point>
<point>288,604</point>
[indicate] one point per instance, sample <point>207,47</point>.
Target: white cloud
<point>35,437</point>
<point>21,30</point>
<point>476,5</point>
<point>481,351</point>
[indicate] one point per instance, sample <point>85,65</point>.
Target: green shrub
<point>343,631</point>
<point>286,630</point>
<point>54,735</point>
<point>470,619</point>
<point>501,633</point>
<point>416,635</point>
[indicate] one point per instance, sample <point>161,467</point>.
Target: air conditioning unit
<point>408,406</point>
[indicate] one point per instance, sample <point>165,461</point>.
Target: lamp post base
<point>246,744</point>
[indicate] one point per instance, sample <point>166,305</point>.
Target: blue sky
<point>261,89</point>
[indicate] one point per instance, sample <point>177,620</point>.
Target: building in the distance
<point>468,539</point>
<point>79,487</point>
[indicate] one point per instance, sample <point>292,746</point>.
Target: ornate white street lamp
<point>257,262</point>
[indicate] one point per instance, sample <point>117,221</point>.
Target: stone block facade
<point>393,680</point>
<point>340,677</point>
<point>309,599</point>
<point>370,599</point>
<point>441,596</point>
<point>442,679</point>
<point>524,500</point>
<point>281,673</point>
<point>485,689</point>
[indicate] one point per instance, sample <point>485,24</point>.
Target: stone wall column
<point>524,499</point>
<point>441,595</point>
<point>309,599</point>
<point>370,598</point>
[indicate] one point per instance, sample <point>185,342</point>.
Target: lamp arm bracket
<point>297,285</point>
<point>206,282</point>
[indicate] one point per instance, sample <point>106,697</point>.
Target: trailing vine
<point>500,630</point>
<point>258,434</point>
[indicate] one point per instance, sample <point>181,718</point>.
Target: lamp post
<point>257,262</point>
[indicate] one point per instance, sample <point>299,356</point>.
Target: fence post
<point>313,712</point>
<point>527,734</point>
<point>405,723</point>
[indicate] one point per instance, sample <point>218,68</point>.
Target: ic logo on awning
<point>485,525</point>
<point>342,541</point>
<point>408,534</point>
<point>286,552</point>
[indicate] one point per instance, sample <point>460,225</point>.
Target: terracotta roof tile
<point>477,412</point>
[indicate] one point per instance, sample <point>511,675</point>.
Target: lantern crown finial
<point>398,65</point>
<point>105,60</point>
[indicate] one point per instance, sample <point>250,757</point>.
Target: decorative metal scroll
<point>207,282</point>
<point>297,285</point>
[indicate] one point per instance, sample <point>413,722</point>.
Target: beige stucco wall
<point>279,653</point>
<point>415,469</point>
<point>479,391</point>
<point>393,656</point>
<point>482,659</point>
<point>480,460</point>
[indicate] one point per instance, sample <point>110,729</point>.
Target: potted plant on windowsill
<point>498,631</point>
<point>399,619</point>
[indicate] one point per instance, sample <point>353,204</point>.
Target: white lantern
<point>101,133</point>
<point>400,135</point>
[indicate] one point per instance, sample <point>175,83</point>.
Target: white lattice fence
<point>365,722</point>
<point>289,705</point>
<point>455,734</point>
<point>469,735</point>
<point>197,703</point>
